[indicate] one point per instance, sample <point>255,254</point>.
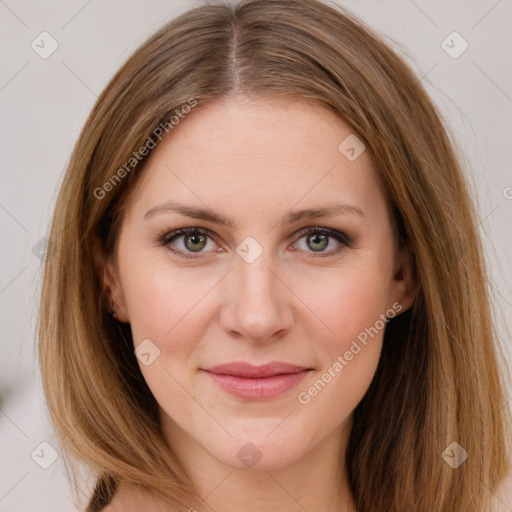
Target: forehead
<point>253,155</point>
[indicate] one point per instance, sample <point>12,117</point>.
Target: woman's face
<point>251,284</point>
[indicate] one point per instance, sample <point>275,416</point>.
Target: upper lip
<point>243,369</point>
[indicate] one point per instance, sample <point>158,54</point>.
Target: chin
<point>260,449</point>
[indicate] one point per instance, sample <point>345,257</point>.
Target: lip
<point>245,380</point>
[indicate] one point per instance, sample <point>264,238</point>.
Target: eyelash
<point>169,237</point>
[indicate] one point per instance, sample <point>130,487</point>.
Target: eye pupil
<point>195,237</point>
<point>320,240</point>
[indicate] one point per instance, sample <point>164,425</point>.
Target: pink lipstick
<point>245,380</point>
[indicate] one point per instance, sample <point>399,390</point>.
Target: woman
<point>268,290</point>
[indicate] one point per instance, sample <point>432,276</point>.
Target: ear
<point>110,283</point>
<point>403,285</point>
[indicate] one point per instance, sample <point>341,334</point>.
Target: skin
<point>293,303</point>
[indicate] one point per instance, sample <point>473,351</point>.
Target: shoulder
<point>101,501</point>
<point>120,501</point>
<point>116,506</point>
<point>130,499</point>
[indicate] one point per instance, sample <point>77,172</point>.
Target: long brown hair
<point>438,380</point>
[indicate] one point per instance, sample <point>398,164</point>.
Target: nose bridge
<point>258,309</point>
<point>257,280</point>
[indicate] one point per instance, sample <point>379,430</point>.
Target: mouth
<point>245,380</point>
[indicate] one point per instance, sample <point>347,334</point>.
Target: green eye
<point>318,239</point>
<point>318,242</point>
<point>195,240</point>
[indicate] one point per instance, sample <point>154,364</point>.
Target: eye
<point>317,240</point>
<point>185,242</point>
<point>193,240</point>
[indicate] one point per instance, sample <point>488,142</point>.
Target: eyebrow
<point>291,217</point>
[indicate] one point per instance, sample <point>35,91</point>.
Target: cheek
<point>351,310</point>
<point>161,300</point>
<point>167,306</point>
<point>349,304</point>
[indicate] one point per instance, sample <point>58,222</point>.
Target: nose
<point>257,305</point>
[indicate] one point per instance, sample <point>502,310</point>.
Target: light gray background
<point>44,103</point>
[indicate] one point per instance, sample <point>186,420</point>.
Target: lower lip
<point>257,389</point>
